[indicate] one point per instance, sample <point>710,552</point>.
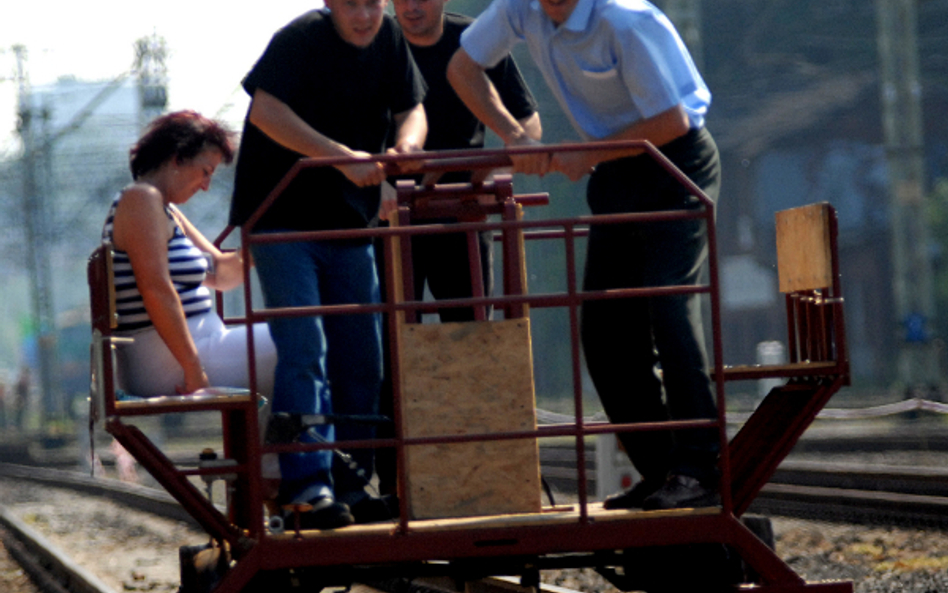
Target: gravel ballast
<point>134,551</point>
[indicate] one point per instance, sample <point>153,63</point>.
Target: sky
<point>211,44</point>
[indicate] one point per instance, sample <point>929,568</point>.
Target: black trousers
<point>627,341</point>
<point>442,262</point>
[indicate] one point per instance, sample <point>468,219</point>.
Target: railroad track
<point>916,488</point>
<point>844,492</point>
<point>836,492</point>
<point>49,568</point>
<point>857,493</point>
<point>839,492</point>
<point>912,496</point>
<point>54,572</point>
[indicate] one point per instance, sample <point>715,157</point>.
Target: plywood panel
<point>803,248</point>
<point>469,378</point>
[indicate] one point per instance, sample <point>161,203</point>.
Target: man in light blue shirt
<point>620,71</point>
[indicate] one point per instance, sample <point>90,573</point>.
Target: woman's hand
<point>194,379</point>
<point>228,270</point>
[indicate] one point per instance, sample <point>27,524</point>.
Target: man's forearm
<point>471,84</point>
<point>532,126</point>
<point>411,129</point>
<point>278,121</point>
<point>283,125</point>
<point>659,130</point>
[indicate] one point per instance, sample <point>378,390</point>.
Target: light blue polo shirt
<point>612,63</point>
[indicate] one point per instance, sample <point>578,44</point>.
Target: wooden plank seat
<point>210,399</point>
<point>549,516</point>
<point>769,371</point>
<point>808,272</point>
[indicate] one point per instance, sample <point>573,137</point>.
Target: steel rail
<point>843,492</point>
<point>51,570</point>
<point>911,496</point>
<point>54,572</point>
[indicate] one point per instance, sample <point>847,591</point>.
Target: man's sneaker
<point>325,513</point>
<point>633,497</point>
<point>374,510</point>
<point>680,492</point>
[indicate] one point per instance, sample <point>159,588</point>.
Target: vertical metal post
<point>150,54</point>
<point>897,23</point>
<point>37,246</point>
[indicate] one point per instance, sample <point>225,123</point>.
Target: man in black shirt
<point>434,35</point>
<point>330,83</point>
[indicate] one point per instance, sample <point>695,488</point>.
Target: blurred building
<point>798,117</point>
<point>81,132</point>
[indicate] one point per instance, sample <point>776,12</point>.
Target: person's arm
<point>278,121</point>
<point>228,265</point>
<point>411,129</point>
<point>659,130</point>
<point>470,82</point>
<point>140,229</point>
<point>516,96</point>
<point>532,126</point>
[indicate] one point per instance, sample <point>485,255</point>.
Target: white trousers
<point>147,368</point>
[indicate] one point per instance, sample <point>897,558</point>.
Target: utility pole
<point>897,24</point>
<point>36,219</point>
<point>150,54</point>
<point>686,15</point>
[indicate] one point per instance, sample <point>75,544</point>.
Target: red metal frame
<point>819,368</point>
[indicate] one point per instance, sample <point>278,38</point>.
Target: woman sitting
<point>164,269</point>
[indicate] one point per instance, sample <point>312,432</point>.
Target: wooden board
<point>563,515</point>
<point>804,260</point>
<point>462,379</point>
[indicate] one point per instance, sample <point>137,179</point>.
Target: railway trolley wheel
<point>673,569</point>
<point>202,566</point>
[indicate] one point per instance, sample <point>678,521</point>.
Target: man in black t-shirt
<point>434,35</point>
<point>330,83</point>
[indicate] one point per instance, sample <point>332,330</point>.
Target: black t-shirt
<point>450,124</point>
<point>346,93</point>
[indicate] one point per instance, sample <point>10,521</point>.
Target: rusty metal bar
<point>475,267</point>
<point>575,341</point>
<point>724,483</point>
<point>175,483</point>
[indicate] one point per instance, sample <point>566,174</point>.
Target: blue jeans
<point>325,364</point>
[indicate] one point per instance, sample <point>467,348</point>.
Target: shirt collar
<point>578,20</point>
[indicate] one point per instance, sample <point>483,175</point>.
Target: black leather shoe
<point>375,510</point>
<point>681,492</point>
<point>633,497</point>
<point>322,513</point>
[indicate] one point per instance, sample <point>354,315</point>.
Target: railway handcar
<point>465,432</point>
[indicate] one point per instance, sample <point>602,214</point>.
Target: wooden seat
<point>808,273</point>
<point>818,366</point>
